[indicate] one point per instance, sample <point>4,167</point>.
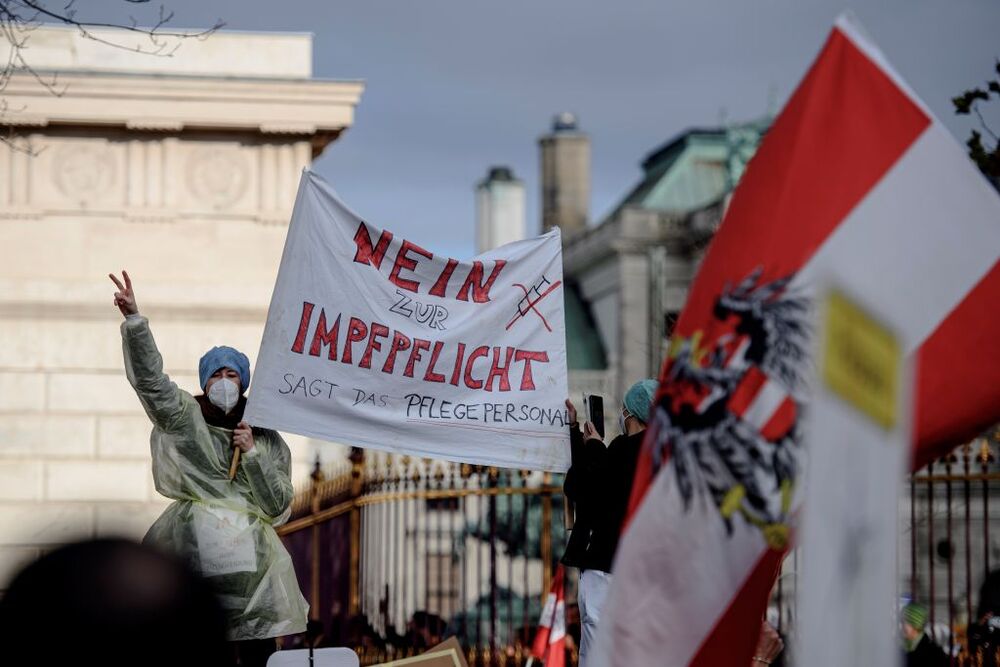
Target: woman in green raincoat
<point>223,527</point>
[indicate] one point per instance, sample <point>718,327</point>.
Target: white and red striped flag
<point>550,640</point>
<point>855,173</point>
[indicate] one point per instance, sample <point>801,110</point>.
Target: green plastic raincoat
<point>224,528</point>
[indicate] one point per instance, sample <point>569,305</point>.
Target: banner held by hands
<point>373,341</point>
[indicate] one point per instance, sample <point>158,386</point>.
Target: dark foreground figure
<point>111,603</point>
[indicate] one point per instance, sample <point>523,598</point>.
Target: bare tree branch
<point>983,124</point>
<point>68,17</point>
<point>19,18</point>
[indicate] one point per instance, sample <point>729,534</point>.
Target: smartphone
<point>595,412</point>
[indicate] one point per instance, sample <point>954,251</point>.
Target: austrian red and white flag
<point>550,640</point>
<point>855,174</point>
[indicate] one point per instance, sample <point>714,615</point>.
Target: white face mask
<point>621,422</point>
<point>224,394</point>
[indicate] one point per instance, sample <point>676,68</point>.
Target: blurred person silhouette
<point>425,629</point>
<point>112,603</point>
<point>223,517</point>
<point>364,638</point>
<point>984,632</point>
<point>572,626</point>
<point>918,647</point>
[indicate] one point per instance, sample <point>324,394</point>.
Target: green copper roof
<point>691,171</point>
<point>696,168</point>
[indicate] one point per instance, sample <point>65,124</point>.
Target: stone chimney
<point>565,153</point>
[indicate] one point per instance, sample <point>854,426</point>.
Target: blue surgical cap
<point>639,397</point>
<point>224,357</point>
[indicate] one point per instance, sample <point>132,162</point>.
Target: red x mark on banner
<point>521,312</point>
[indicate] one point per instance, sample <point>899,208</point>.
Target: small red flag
<point>550,641</point>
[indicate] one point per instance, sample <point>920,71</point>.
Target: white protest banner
<point>376,342</point>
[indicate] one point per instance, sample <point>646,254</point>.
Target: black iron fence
<point>398,553</point>
<point>948,544</point>
<point>433,549</point>
<point>951,551</point>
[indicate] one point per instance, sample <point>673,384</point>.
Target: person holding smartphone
<point>599,483</point>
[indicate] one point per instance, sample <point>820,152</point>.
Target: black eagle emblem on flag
<point>728,416</point>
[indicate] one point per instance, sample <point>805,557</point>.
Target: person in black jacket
<point>599,483</point>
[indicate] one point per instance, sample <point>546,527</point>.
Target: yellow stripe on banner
<point>861,360</point>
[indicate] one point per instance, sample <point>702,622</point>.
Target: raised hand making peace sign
<point>124,297</point>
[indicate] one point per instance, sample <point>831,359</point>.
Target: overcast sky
<point>456,86</point>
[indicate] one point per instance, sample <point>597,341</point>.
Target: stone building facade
<point>627,277</point>
<point>182,170</point>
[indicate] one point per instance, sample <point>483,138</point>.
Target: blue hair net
<point>224,357</point>
<point>639,397</point>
